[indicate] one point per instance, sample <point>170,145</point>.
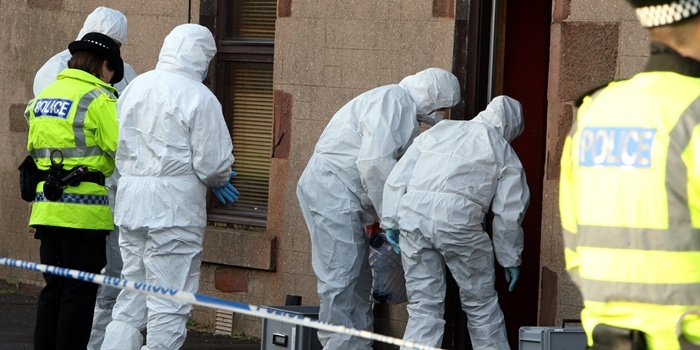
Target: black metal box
<point>277,335</point>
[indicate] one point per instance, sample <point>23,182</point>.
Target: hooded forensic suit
<point>173,143</point>
<point>111,23</point>
<point>341,188</point>
<point>438,195</point>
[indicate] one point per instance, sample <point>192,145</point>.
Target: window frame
<point>231,50</point>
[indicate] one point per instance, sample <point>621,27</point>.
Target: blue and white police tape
<point>203,300</point>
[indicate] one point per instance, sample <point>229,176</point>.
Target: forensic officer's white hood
<point>432,89</point>
<point>109,22</point>
<point>187,51</point>
<point>505,115</point>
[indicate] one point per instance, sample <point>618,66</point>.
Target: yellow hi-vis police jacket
<point>629,199</point>
<point>76,114</point>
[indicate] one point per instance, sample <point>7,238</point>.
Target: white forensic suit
<point>438,195</point>
<point>340,191</point>
<point>173,143</point>
<point>112,23</point>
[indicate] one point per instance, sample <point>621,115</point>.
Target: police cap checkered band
<point>654,13</point>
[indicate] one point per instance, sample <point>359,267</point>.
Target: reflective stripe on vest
<point>684,238</point>
<point>74,152</point>
<point>76,198</point>
<point>604,291</point>
<point>80,114</point>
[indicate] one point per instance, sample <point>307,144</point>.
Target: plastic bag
<point>388,282</point>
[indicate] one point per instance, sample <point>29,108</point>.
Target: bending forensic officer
<point>341,188</point>
<point>439,195</point>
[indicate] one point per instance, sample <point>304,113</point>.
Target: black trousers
<point>66,305</point>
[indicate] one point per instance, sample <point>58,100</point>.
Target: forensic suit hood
<point>187,50</point>
<point>432,89</point>
<point>107,21</point>
<point>505,115</point>
<point>103,20</point>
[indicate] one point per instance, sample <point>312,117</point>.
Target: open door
<point>508,54</point>
<point>525,76</point>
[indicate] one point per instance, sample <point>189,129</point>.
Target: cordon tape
<point>206,301</point>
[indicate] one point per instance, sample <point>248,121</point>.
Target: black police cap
<point>105,47</point>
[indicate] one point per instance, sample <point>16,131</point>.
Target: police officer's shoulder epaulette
<point>579,101</point>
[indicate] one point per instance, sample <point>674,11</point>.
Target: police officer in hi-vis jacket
<point>630,193</point>
<point>72,122</point>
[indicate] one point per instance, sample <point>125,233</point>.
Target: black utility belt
<point>91,176</point>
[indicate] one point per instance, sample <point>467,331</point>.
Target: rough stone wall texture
<point>592,42</point>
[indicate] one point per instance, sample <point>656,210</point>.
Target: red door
<point>525,75</point>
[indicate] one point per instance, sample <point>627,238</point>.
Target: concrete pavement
<point>18,313</point>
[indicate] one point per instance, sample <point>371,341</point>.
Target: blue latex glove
<point>392,236</point>
<point>512,274</point>
<point>227,192</point>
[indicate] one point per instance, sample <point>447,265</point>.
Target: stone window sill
<point>232,247</point>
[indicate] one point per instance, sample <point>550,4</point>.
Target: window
<point>250,20</point>
<point>244,64</point>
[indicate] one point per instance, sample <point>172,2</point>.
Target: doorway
<point>514,61</point>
